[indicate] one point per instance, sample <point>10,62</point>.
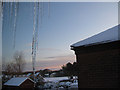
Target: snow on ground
<point>54,83</point>
<point>55,79</point>
<point>74,85</point>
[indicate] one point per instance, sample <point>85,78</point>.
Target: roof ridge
<point>108,35</point>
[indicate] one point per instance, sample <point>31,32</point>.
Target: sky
<point>61,24</point>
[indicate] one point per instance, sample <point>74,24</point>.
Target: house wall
<point>27,84</point>
<point>99,66</point>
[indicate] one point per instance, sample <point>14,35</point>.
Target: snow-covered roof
<point>103,37</point>
<point>29,74</point>
<point>17,81</point>
<point>37,74</point>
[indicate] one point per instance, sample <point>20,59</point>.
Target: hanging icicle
<point>8,7</point>
<point>11,15</point>
<point>34,42</point>
<point>11,10</point>
<point>41,13</point>
<point>42,8</point>
<point>15,24</point>
<point>9,22</point>
<point>1,8</point>
<point>14,27</point>
<point>35,35</point>
<point>17,9</point>
<point>37,25</point>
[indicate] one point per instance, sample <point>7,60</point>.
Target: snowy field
<point>60,83</point>
<point>55,79</point>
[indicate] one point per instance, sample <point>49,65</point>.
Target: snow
<point>61,87</point>
<point>55,79</point>
<point>50,85</point>
<point>74,84</point>
<point>65,83</point>
<point>53,83</point>
<point>28,74</point>
<point>17,81</point>
<point>103,37</point>
<point>36,74</point>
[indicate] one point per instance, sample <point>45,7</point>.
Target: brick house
<point>19,83</point>
<point>98,60</point>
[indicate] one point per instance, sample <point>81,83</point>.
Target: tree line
<point>68,69</point>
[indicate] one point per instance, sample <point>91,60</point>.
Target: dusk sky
<point>62,24</point>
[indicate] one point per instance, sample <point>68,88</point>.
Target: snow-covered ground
<point>60,83</point>
<point>55,79</point>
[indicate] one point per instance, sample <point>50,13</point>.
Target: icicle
<point>11,14</point>
<point>17,8</point>
<point>9,23</point>
<point>34,42</point>
<point>11,10</point>
<point>35,35</point>
<point>7,10</point>
<point>15,24</point>
<point>1,8</point>
<point>37,25</point>
<point>1,11</point>
<point>41,13</point>
<point>34,27</point>
<point>42,8</point>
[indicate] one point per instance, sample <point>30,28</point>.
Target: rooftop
<point>109,35</point>
<point>17,81</point>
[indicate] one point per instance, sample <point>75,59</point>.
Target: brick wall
<point>99,66</point>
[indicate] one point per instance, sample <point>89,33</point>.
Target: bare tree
<point>9,68</point>
<point>19,61</point>
<point>17,65</point>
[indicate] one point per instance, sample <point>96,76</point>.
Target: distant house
<point>19,83</point>
<point>98,59</point>
<point>47,75</point>
<point>29,75</point>
<point>52,74</point>
<point>37,74</point>
<point>38,77</point>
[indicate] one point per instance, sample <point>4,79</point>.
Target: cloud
<point>49,49</point>
<point>54,64</point>
<point>64,57</point>
<point>50,67</point>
